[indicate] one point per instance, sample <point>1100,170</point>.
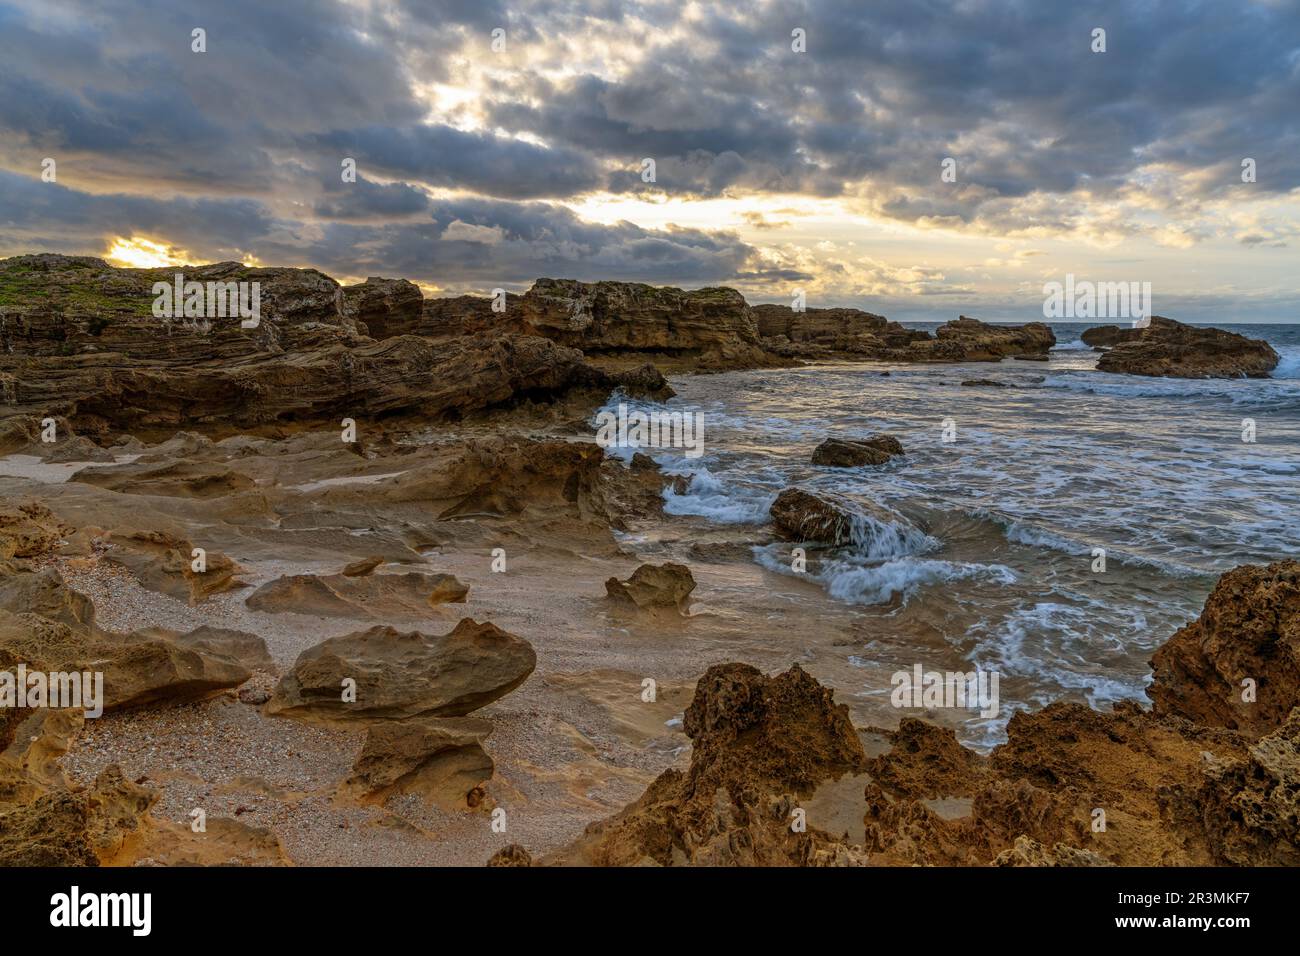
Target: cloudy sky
<point>481,165</point>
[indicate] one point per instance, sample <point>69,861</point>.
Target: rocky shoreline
<point>208,531</point>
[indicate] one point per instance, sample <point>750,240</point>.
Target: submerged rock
<point>806,517</point>
<point>851,453</point>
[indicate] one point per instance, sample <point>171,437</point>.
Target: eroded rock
<point>399,675</point>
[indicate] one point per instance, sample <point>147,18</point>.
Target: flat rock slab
<point>359,597</point>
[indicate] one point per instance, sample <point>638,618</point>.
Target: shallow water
<point>983,547</point>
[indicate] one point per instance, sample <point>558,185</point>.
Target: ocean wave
<point>707,496</point>
<point>855,584</point>
<point>1288,366</point>
<point>1023,532</point>
<point>874,539</point>
<point>1073,345</point>
<point>1274,392</point>
<point>853,579</point>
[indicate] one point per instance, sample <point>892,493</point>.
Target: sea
<point>1055,530</point>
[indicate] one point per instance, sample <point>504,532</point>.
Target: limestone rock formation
<point>652,586</point>
<point>441,759</point>
<point>384,307</point>
<point>760,745</point>
<point>359,597</point>
<point>1248,631</point>
<point>401,675</point>
<point>715,324</point>
<point>1171,348</point>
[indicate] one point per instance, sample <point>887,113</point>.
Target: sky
<point>916,158</point>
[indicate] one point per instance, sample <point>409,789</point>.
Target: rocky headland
<point>359,583</point>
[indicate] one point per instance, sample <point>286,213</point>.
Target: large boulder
<point>399,675</point>
<point>1238,664</point>
<point>441,759</point>
<point>803,516</point>
<point>653,586</point>
<point>1170,348</point>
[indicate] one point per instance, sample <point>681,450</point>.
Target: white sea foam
<point>857,584</point>
<point>710,497</point>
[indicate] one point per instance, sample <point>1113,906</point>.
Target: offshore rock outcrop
<point>1169,348</point>
<point>852,453</point>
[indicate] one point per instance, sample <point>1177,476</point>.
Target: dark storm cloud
<point>473,243</point>
<point>481,162</point>
<point>256,126</point>
<point>521,241</point>
<point>1012,90</point>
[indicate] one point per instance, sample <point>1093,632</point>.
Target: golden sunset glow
<point>140,253</point>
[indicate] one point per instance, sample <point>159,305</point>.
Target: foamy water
<point>1003,521</point>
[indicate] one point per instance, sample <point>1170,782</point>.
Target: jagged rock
<point>164,563</point>
<point>441,759</point>
<point>405,675</point>
<point>1170,348</point>
<point>511,855</point>
<point>28,529</point>
<point>360,597</point>
<point>651,586</point>
<point>760,744</point>
<point>983,382</point>
<point>60,827</point>
<point>806,517</point>
<point>1027,852</point>
<point>1249,629</point>
<point>851,453</point>
<point>927,762</point>
<point>1249,809</point>
<point>386,307</point>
